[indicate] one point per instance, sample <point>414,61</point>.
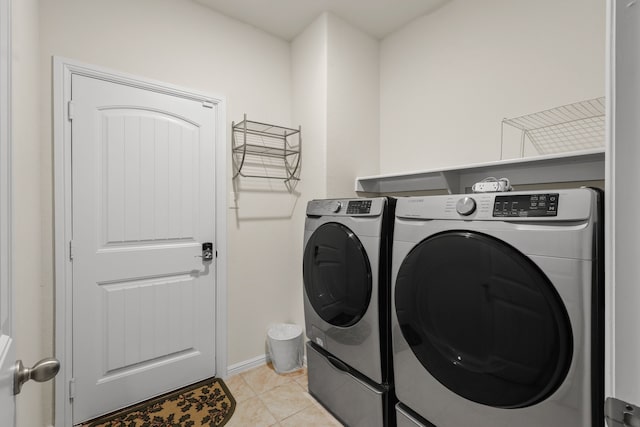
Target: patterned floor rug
<point>207,403</point>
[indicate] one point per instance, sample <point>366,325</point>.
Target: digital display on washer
<point>359,207</point>
<point>528,205</point>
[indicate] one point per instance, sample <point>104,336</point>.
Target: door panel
<point>143,299</point>
<point>137,328</point>
<point>149,183</point>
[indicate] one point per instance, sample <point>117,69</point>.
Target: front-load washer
<point>346,273</point>
<point>497,308</point>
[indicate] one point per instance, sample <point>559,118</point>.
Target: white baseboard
<point>237,368</point>
<point>246,365</point>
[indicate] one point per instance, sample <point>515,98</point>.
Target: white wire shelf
<point>573,127</point>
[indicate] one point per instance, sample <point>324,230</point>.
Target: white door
<point>624,205</point>
<point>143,205</point>
<point>7,336</point>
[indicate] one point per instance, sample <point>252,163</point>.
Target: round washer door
<point>337,275</point>
<point>483,319</point>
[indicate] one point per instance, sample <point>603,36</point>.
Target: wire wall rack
<point>573,127</point>
<point>262,150</point>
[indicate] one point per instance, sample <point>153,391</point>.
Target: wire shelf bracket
<point>262,150</point>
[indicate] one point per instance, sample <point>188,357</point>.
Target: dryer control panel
<point>516,206</point>
<point>526,205</point>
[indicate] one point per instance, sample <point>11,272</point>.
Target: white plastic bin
<point>285,345</point>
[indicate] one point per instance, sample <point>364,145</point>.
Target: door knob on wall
<point>42,371</point>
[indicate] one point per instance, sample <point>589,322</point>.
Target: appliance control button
<point>466,206</point>
<point>336,208</point>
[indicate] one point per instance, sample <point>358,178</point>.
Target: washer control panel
<point>358,207</point>
<point>526,205</point>
<point>347,207</point>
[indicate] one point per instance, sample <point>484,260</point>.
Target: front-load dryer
<point>346,272</point>
<point>497,309</point>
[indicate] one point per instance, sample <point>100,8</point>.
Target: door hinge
<point>72,388</point>
<point>621,414</point>
<point>71,110</point>
<point>70,250</point>
<point>207,104</point>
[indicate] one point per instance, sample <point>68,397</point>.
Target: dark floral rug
<point>207,403</point>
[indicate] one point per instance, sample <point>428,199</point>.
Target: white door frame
<point>609,211</point>
<point>63,69</point>
<point>621,179</point>
<point>7,300</point>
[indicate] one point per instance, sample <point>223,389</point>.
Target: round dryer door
<point>483,319</point>
<point>337,275</point>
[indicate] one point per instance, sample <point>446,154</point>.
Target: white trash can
<point>285,345</point>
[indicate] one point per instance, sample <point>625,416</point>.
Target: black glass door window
<point>483,319</point>
<point>337,275</point>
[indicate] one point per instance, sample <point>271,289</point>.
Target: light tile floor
<point>265,398</point>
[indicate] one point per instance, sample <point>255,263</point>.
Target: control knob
<point>336,207</point>
<point>466,206</point>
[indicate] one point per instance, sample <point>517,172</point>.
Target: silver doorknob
<point>42,371</point>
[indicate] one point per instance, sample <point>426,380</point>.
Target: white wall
<point>449,78</point>
<point>336,98</point>
<point>33,408</point>
<point>186,44</point>
<point>353,109</point>
<point>309,90</point>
